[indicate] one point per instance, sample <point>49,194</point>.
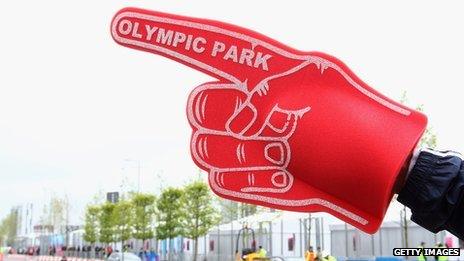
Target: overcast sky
<point>74,104</point>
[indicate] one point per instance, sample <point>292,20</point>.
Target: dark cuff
<point>433,190</point>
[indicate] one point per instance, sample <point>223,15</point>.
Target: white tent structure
<point>283,234</point>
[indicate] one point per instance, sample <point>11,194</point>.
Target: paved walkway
<point>44,258</point>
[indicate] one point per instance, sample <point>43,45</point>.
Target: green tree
<point>123,217</point>
<point>144,208</point>
<point>91,225</point>
<point>200,215</point>
<point>429,138</point>
<point>170,214</point>
<point>13,226</point>
<point>107,224</point>
<point>8,228</point>
<point>232,210</point>
<point>247,209</point>
<point>55,214</point>
<point>3,232</point>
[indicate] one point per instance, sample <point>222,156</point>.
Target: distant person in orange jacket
<point>310,255</point>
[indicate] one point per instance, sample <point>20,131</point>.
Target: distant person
<point>109,251</point>
<point>152,255</point>
<point>319,255</point>
<point>442,258</point>
<point>310,255</point>
<point>329,257</point>
<point>262,252</point>
<point>421,257</point>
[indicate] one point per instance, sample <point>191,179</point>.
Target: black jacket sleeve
<point>434,191</point>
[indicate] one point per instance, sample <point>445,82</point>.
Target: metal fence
<point>279,238</point>
<point>346,241</point>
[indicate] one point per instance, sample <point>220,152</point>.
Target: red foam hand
<point>282,128</point>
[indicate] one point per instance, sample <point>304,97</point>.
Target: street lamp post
<point>138,172</point>
<point>138,176</point>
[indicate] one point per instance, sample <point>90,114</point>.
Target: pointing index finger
<point>224,51</point>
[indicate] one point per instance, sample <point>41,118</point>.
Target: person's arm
<point>434,191</point>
